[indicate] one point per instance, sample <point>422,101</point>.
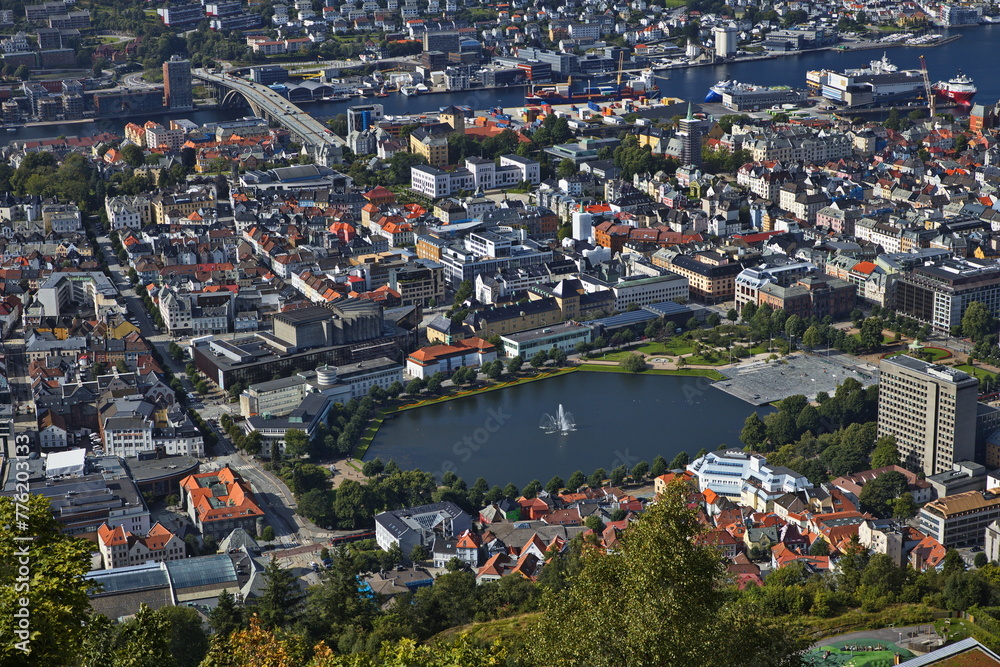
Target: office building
<point>363,116</point>
<point>931,412</point>
<point>177,94</point>
<point>939,295</point>
<point>690,134</point>
<point>961,520</point>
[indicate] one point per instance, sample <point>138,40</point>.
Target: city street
<point>271,493</point>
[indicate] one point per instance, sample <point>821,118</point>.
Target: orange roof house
<point>219,502</point>
<point>121,548</point>
<point>432,359</point>
<point>380,195</point>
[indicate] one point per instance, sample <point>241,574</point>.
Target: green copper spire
<point>690,116</point>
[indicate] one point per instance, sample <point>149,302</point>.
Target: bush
<point>633,363</point>
<point>267,535</point>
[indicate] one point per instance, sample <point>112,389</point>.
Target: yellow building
<point>433,147</point>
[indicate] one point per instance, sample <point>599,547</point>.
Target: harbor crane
<point>931,105</point>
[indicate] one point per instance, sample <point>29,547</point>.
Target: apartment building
<point>930,410</point>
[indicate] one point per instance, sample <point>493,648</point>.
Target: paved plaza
<point>762,382</point>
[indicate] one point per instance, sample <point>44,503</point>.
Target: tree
<point>465,290</point>
<point>296,443</point>
<point>596,479</point>
<point>514,365</point>
<point>532,489</point>
<point>978,322</point>
<point>267,534</point>
<point>618,475</point>
<point>794,327</point>
<point>133,155</point>
<point>659,467</point>
<point>870,335</point>
<point>413,387</point>
<point>227,616</point>
<point>680,461</point>
<point>812,338</point>
<point>754,433</point>
<point>639,471</point>
<point>539,358</point>
<point>904,507</point>
<point>373,468</point>
<point>885,453</point>
<point>494,369</point>
<point>419,553</point>
<point>820,548</point>
<point>144,641</point>
<point>576,480</point>
<point>980,560</point>
<point>59,606</point>
<point>510,491</point>
<point>658,599</point>
<point>594,523</point>
<point>732,315</point>
<point>877,496</point>
<point>893,122</point>
<point>566,168</point>
<point>633,362</point>
<point>188,642</point>
<point>22,73</point>
<point>554,485</point>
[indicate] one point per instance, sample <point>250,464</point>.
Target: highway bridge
<point>321,143</point>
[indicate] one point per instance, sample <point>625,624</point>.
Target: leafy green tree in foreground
<point>658,600</point>
<point>56,587</point>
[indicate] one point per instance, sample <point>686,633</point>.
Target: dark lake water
<point>620,419</point>
<point>973,54</point>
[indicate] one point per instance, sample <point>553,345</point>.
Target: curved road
<point>298,122</point>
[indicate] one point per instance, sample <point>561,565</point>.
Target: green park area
<point>856,653</point>
<point>684,372</point>
<point>931,354</point>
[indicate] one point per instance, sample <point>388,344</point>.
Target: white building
<point>727,472</point>
<point>157,135</point>
<point>644,291</point>
<point>127,212</point>
<point>121,548</point>
<point>477,174</point>
<point>432,359</point>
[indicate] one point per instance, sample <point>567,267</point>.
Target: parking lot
<point>760,383</point>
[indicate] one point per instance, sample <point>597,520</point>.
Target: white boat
<point>409,90</point>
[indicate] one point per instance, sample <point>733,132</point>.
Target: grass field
<point>684,372</point>
<point>671,348</point>
<point>937,353</point>
<point>698,360</point>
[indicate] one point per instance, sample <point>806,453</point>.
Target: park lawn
<point>613,356</point>
<point>760,348</point>
<point>683,372</point>
<point>978,373</point>
<point>937,353</point>
<point>698,360</point>
<point>671,348</point>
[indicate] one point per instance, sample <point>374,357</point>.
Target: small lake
<point>620,419</point>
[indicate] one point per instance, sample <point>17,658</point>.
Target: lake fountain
<point>562,422</point>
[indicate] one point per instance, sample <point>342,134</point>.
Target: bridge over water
<point>318,140</point>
